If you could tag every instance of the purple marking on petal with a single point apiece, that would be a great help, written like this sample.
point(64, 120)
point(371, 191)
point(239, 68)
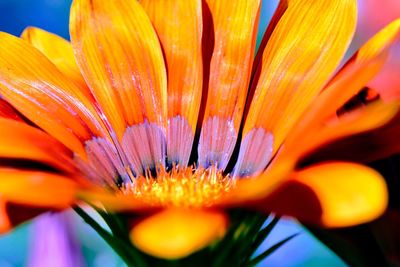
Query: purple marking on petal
point(54, 243)
point(179, 141)
point(255, 153)
point(145, 146)
point(217, 141)
point(104, 164)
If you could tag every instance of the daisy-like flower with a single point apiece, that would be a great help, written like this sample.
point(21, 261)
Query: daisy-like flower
point(160, 110)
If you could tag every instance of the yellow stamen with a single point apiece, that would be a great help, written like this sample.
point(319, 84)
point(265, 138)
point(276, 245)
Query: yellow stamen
point(183, 187)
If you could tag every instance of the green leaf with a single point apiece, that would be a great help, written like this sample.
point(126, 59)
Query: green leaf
point(262, 235)
point(269, 251)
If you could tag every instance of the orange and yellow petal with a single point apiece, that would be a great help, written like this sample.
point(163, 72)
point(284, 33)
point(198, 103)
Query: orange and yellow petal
point(7, 111)
point(5, 224)
point(20, 141)
point(179, 27)
point(378, 45)
point(280, 10)
point(365, 147)
point(387, 82)
point(176, 233)
point(353, 77)
point(371, 117)
point(334, 194)
point(230, 34)
point(356, 73)
point(303, 51)
point(39, 91)
point(37, 188)
point(59, 51)
point(251, 189)
point(120, 57)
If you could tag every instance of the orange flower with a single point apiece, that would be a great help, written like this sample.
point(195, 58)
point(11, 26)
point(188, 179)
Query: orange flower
point(112, 118)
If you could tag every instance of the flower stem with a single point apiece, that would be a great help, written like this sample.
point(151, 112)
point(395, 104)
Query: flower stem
point(121, 248)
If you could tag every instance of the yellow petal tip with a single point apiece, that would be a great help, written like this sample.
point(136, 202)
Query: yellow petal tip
point(177, 233)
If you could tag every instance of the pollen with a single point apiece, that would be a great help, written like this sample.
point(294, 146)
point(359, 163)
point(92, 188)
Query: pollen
point(183, 187)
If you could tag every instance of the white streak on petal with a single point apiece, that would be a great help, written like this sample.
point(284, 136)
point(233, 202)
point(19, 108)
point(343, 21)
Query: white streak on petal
point(145, 146)
point(217, 141)
point(104, 164)
point(179, 141)
point(255, 153)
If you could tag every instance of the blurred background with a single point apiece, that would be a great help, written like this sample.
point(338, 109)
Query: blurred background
point(44, 241)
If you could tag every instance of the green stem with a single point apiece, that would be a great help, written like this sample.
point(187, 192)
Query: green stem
point(120, 248)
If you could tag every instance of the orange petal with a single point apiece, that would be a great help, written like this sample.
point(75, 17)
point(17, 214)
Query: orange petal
point(21, 141)
point(120, 57)
point(387, 82)
point(7, 111)
point(37, 188)
point(114, 202)
point(280, 10)
point(33, 85)
point(58, 50)
point(365, 147)
point(357, 72)
point(332, 194)
point(179, 27)
point(176, 233)
point(5, 224)
point(373, 116)
point(253, 189)
point(379, 44)
point(234, 29)
point(305, 48)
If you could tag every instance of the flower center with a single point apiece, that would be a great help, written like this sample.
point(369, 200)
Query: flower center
point(141, 173)
point(184, 187)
